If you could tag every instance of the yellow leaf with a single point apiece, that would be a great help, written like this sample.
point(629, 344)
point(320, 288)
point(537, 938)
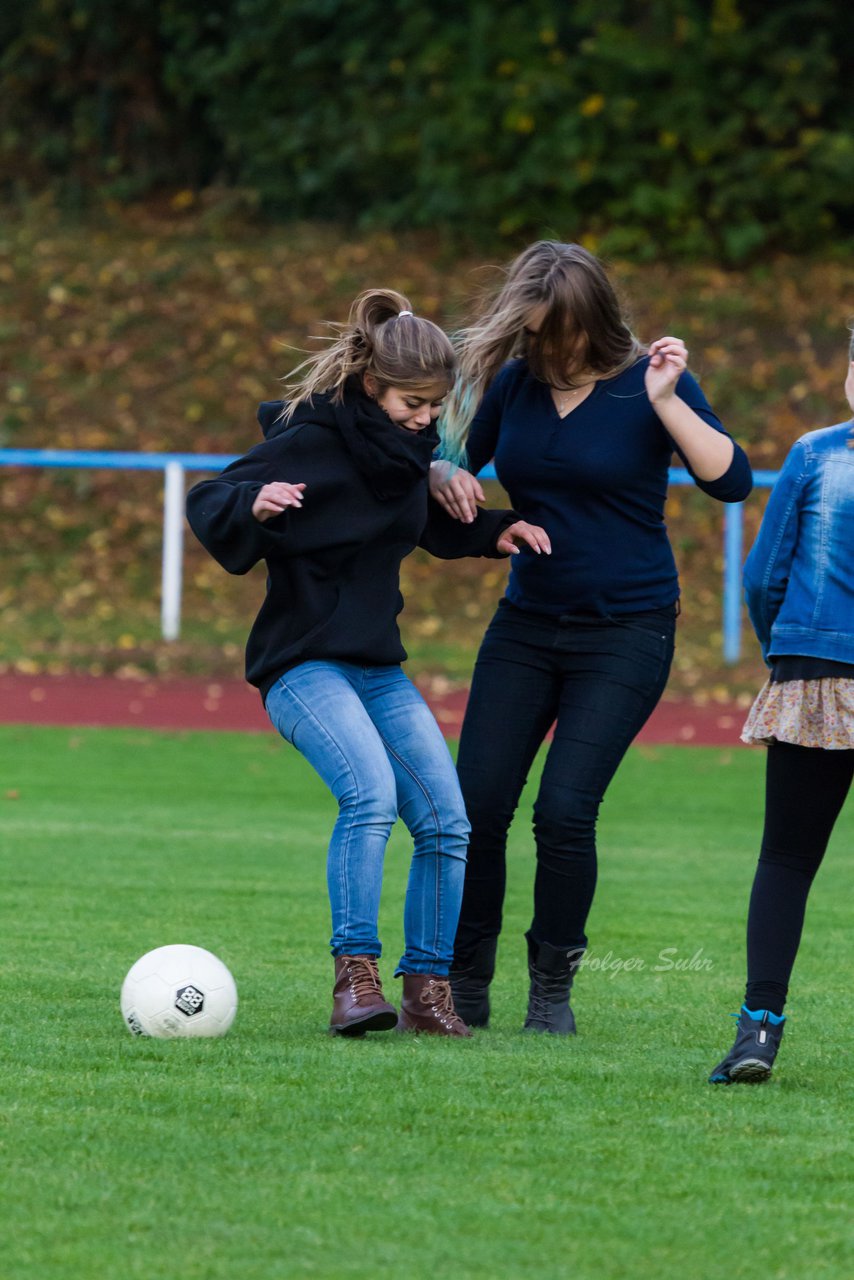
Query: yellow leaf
point(593, 105)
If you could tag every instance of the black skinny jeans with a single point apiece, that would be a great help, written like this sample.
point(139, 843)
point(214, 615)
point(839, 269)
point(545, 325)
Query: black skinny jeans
point(805, 789)
point(599, 679)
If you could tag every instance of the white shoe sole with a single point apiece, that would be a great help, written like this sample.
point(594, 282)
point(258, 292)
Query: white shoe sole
point(750, 1071)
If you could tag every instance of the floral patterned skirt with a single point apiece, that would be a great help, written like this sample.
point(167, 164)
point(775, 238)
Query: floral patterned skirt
point(808, 713)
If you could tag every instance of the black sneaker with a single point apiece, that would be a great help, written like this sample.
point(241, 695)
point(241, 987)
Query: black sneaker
point(749, 1061)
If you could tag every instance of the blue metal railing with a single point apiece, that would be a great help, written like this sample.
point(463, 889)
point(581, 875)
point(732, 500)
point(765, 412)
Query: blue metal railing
point(110, 460)
point(176, 465)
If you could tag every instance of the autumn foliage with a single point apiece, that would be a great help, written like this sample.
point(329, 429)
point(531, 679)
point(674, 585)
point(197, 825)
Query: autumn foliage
point(160, 328)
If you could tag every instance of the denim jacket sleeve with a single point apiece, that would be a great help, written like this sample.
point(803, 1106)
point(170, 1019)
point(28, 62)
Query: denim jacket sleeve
point(766, 572)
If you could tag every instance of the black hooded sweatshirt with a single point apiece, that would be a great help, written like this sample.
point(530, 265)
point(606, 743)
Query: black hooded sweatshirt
point(333, 584)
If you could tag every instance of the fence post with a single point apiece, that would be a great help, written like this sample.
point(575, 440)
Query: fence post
point(173, 550)
point(174, 467)
point(733, 550)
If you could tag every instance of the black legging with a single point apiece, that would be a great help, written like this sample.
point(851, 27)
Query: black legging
point(805, 789)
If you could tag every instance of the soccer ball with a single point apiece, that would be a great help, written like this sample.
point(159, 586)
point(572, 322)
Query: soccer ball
point(178, 991)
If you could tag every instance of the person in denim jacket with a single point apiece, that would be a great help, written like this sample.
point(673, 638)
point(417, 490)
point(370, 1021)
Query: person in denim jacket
point(799, 584)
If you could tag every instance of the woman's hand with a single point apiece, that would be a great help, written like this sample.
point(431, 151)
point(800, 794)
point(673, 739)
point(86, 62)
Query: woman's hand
point(531, 534)
point(274, 498)
point(668, 360)
point(456, 490)
point(707, 452)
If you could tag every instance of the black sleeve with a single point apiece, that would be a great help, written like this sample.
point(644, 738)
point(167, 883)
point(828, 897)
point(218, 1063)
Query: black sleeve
point(450, 539)
point(220, 510)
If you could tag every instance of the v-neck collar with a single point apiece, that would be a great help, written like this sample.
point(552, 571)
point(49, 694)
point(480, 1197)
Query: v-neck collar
point(571, 412)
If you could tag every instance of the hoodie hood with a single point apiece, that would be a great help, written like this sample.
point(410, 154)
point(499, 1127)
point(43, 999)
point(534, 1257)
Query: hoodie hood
point(320, 411)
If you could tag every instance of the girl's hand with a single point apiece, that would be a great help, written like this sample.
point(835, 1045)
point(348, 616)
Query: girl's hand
point(274, 498)
point(456, 490)
point(531, 534)
point(668, 360)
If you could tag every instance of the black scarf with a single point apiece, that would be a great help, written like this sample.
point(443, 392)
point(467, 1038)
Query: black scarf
point(391, 459)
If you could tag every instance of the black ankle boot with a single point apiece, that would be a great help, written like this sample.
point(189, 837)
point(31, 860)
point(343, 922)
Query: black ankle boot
point(551, 970)
point(470, 978)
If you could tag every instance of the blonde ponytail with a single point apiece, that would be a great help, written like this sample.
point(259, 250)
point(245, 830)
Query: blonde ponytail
point(383, 337)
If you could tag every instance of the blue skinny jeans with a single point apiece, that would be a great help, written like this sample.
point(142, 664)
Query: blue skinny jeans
point(373, 740)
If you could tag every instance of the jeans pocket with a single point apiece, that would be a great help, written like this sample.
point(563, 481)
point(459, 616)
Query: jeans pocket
point(647, 642)
point(654, 650)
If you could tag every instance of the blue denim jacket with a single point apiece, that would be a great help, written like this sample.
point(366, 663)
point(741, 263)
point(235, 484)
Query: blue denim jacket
point(799, 577)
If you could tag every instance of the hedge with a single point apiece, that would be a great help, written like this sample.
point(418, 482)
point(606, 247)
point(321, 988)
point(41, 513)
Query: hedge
point(677, 126)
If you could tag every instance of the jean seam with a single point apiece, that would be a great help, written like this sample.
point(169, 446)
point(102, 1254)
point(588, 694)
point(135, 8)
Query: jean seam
point(437, 912)
point(345, 852)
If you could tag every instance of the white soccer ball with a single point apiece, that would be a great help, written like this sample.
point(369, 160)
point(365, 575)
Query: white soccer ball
point(178, 991)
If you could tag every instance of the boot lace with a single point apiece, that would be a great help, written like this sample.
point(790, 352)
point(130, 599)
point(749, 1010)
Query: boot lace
point(363, 977)
point(437, 994)
point(539, 1005)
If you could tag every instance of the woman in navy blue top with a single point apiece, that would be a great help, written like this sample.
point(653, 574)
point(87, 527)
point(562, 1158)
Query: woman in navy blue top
point(582, 422)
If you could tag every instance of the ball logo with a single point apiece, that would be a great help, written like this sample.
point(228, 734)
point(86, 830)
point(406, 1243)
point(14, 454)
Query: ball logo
point(134, 1025)
point(189, 1000)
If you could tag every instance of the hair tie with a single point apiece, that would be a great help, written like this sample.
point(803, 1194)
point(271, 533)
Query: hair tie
point(404, 313)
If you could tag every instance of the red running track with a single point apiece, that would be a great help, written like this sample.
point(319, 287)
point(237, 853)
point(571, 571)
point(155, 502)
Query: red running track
point(107, 701)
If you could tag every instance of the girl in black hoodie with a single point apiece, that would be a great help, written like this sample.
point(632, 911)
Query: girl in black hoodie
point(333, 501)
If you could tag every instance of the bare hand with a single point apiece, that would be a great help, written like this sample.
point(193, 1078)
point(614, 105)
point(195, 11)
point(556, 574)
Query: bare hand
point(456, 490)
point(530, 534)
point(668, 360)
point(273, 499)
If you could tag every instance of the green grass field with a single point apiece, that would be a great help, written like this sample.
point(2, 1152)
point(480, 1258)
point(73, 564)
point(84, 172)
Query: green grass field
point(279, 1152)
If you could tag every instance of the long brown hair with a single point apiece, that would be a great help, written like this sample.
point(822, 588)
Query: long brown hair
point(381, 337)
point(583, 328)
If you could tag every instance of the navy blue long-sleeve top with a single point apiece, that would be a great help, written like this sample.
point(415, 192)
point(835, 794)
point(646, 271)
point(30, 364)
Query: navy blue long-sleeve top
point(596, 480)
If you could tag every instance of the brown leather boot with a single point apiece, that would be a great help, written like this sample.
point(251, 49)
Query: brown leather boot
point(358, 1004)
point(429, 1006)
